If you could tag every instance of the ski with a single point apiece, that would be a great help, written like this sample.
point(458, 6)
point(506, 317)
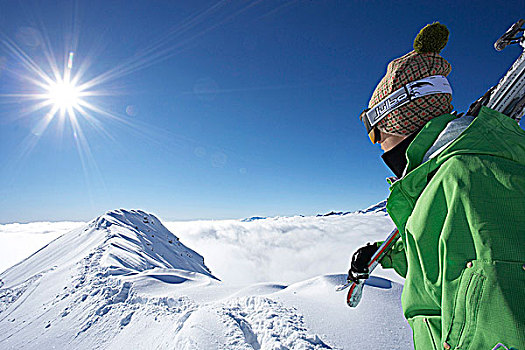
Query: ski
point(508, 97)
point(356, 289)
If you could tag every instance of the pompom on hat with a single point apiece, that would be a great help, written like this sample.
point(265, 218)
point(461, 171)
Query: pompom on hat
point(423, 62)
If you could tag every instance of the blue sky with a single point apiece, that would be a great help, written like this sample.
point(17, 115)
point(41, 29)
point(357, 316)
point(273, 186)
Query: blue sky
point(218, 109)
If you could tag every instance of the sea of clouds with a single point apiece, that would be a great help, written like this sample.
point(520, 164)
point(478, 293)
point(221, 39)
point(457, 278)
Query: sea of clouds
point(282, 249)
point(287, 249)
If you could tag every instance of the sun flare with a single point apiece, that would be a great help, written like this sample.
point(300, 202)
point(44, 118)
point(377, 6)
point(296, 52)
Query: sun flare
point(59, 96)
point(63, 95)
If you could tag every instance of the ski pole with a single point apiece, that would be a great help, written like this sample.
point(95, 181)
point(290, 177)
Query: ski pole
point(356, 289)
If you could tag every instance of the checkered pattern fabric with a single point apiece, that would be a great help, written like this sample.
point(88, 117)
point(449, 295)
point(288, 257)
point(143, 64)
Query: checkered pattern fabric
point(401, 71)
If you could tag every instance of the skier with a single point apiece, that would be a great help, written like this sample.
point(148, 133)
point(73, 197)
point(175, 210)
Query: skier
point(458, 200)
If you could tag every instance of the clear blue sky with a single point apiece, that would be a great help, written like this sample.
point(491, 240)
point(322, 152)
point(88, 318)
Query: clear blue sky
point(225, 109)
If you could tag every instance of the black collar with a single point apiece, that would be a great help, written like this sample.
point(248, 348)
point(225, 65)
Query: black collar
point(396, 158)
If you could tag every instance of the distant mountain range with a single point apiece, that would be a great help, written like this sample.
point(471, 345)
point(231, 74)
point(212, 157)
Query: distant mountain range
point(376, 208)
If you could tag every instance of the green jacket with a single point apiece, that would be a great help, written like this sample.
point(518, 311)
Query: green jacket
point(461, 216)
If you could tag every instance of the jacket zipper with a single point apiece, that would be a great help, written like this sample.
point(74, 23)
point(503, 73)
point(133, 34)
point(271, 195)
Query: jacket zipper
point(476, 283)
point(425, 320)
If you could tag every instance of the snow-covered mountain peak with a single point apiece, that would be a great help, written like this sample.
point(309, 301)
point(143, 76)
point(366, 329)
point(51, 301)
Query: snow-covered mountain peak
point(137, 219)
point(112, 265)
point(136, 241)
point(119, 242)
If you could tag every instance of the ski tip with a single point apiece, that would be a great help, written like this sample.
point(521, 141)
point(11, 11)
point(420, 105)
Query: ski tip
point(342, 287)
point(354, 295)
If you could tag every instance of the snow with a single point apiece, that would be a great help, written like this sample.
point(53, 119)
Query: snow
point(21, 240)
point(124, 280)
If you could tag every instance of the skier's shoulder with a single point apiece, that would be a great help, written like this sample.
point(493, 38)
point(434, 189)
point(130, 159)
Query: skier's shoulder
point(493, 120)
point(489, 134)
point(493, 133)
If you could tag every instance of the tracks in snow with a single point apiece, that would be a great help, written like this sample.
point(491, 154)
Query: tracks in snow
point(96, 303)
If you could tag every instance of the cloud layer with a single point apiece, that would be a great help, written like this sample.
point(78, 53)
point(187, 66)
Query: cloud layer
point(286, 250)
point(281, 249)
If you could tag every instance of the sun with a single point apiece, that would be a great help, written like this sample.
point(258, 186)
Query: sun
point(63, 95)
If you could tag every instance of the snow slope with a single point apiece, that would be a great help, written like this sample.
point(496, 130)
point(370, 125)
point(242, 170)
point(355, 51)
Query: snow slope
point(125, 281)
point(18, 241)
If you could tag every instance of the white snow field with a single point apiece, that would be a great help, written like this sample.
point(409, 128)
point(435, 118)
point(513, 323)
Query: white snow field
point(124, 281)
point(18, 241)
